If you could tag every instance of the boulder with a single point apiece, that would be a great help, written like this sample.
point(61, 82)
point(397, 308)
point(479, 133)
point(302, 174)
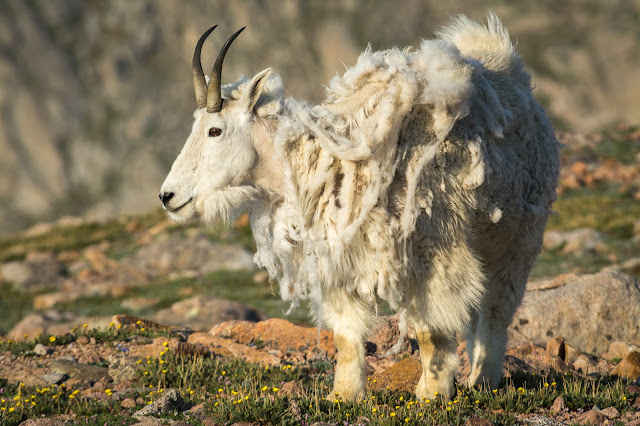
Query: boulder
point(278, 334)
point(619, 350)
point(53, 322)
point(589, 311)
point(629, 366)
point(223, 347)
point(85, 372)
point(203, 312)
point(39, 271)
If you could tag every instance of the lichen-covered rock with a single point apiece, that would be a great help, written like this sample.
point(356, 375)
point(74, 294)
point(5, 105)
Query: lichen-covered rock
point(168, 402)
point(590, 311)
point(402, 376)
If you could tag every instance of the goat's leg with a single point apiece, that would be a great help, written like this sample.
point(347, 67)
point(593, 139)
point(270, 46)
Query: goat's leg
point(350, 319)
point(439, 363)
point(487, 338)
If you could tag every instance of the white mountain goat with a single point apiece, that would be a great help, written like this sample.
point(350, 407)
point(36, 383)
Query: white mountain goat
point(424, 180)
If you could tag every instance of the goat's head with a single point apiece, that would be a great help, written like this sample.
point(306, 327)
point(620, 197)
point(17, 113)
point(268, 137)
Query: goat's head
point(217, 174)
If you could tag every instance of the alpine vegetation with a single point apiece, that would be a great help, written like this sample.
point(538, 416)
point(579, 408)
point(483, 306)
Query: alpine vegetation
point(424, 180)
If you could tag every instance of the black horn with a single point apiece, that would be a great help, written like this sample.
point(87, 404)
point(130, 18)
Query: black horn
point(199, 83)
point(214, 96)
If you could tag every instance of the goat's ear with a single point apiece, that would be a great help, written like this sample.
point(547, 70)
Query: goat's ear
point(251, 94)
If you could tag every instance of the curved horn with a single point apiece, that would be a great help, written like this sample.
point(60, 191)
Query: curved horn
point(199, 83)
point(214, 96)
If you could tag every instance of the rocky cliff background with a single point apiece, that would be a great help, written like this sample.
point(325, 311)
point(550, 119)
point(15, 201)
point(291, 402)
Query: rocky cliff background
point(96, 98)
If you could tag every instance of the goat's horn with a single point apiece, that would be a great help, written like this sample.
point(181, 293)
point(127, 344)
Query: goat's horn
point(199, 83)
point(214, 96)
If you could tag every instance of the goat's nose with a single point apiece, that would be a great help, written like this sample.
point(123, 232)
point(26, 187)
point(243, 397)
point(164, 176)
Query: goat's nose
point(166, 197)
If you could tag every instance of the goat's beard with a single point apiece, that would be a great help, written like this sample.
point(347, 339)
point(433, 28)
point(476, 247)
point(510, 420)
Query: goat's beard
point(225, 205)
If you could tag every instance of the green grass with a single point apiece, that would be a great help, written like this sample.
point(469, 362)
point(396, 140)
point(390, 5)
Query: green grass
point(602, 208)
point(235, 391)
point(622, 145)
point(14, 305)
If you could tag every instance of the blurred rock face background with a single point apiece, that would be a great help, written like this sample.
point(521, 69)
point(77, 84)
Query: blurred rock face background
point(96, 97)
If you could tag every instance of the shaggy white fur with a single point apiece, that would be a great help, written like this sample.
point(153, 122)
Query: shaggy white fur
point(424, 180)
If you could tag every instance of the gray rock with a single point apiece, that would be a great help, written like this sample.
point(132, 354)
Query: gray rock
point(203, 312)
point(54, 378)
point(610, 412)
point(39, 271)
point(44, 422)
point(122, 368)
point(589, 311)
point(169, 402)
point(89, 373)
point(152, 421)
point(16, 273)
point(53, 322)
point(42, 350)
point(540, 420)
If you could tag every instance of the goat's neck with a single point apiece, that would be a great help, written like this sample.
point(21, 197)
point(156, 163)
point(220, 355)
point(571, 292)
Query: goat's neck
point(268, 172)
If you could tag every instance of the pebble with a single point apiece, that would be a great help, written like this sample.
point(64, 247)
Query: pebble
point(42, 350)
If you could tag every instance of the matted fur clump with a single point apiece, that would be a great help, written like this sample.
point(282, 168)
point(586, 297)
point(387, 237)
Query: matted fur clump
point(424, 180)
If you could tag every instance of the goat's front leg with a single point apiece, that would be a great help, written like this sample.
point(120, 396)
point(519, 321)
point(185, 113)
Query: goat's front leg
point(349, 380)
point(350, 319)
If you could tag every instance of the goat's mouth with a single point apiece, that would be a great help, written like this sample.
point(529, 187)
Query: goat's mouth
point(180, 207)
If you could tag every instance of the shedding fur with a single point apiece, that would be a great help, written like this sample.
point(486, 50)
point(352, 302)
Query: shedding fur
point(424, 180)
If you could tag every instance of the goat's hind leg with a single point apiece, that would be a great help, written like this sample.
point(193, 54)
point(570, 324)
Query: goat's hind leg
point(439, 363)
point(487, 338)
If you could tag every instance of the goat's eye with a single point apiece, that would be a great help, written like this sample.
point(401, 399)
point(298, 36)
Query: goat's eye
point(214, 131)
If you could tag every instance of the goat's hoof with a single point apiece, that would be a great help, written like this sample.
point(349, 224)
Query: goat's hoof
point(344, 395)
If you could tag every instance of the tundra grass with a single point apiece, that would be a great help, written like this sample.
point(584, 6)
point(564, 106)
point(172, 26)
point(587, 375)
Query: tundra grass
point(14, 305)
point(602, 208)
point(235, 391)
point(71, 237)
point(231, 285)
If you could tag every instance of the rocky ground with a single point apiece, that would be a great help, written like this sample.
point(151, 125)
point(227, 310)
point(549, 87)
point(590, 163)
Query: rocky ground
point(97, 369)
point(580, 316)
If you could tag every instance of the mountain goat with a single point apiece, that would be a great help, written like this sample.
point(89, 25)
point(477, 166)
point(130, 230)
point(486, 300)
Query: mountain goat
point(424, 180)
